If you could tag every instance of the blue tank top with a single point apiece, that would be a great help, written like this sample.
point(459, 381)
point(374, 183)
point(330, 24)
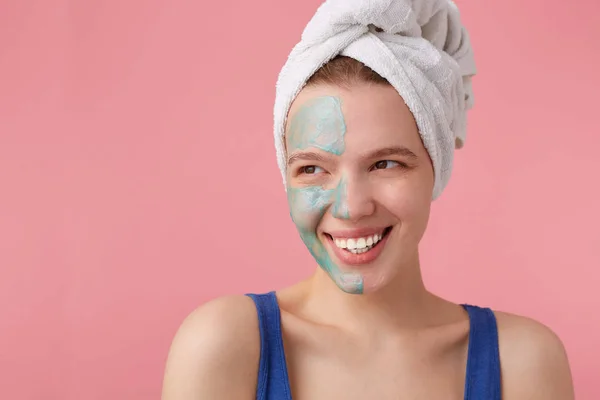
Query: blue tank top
point(483, 361)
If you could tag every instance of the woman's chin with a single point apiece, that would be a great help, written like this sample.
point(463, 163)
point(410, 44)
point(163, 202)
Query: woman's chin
point(363, 278)
point(355, 282)
point(374, 282)
point(349, 282)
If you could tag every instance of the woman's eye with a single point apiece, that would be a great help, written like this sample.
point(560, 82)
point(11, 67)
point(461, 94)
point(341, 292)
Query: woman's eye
point(383, 164)
point(310, 169)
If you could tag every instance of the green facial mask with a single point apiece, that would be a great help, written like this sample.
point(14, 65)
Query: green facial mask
point(320, 124)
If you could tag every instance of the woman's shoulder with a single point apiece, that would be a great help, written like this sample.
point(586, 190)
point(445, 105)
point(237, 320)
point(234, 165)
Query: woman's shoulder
point(534, 362)
point(217, 343)
point(222, 319)
point(526, 337)
point(227, 325)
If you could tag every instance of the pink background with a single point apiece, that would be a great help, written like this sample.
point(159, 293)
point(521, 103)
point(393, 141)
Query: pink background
point(138, 180)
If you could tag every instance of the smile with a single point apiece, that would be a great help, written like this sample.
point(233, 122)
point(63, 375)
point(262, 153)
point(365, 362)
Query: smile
point(354, 249)
point(361, 244)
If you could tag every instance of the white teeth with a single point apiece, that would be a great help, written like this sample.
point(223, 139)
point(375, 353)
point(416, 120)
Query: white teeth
point(359, 251)
point(341, 243)
point(351, 244)
point(358, 245)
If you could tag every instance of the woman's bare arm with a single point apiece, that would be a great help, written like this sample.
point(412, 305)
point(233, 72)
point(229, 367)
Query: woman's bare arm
point(534, 361)
point(215, 353)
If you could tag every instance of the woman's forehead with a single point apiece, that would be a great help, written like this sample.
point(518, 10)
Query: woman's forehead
point(366, 117)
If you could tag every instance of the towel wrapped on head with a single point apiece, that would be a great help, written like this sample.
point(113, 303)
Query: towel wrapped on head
point(419, 46)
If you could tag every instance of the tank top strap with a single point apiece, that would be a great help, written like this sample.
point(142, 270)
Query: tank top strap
point(483, 362)
point(273, 381)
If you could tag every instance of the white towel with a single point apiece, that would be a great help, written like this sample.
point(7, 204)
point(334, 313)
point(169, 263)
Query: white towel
point(423, 50)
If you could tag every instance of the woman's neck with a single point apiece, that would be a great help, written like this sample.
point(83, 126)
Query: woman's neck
point(404, 303)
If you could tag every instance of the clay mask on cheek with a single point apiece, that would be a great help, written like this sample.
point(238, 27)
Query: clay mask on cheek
point(320, 124)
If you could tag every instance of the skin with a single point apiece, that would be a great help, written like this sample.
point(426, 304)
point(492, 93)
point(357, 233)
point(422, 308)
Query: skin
point(395, 339)
point(372, 190)
point(319, 123)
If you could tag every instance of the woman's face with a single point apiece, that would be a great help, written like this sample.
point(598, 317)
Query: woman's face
point(359, 182)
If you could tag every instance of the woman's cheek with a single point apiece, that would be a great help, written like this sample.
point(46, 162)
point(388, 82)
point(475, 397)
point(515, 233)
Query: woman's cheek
point(306, 220)
point(307, 206)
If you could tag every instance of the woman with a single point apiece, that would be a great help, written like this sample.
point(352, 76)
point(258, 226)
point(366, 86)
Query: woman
point(370, 106)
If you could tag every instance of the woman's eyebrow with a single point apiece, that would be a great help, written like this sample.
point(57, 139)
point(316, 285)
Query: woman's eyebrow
point(305, 156)
point(393, 151)
point(384, 152)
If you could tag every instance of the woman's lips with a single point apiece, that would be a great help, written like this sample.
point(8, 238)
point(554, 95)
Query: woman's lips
point(349, 258)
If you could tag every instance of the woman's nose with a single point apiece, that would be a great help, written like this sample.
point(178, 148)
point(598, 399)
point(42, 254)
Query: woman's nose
point(352, 200)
